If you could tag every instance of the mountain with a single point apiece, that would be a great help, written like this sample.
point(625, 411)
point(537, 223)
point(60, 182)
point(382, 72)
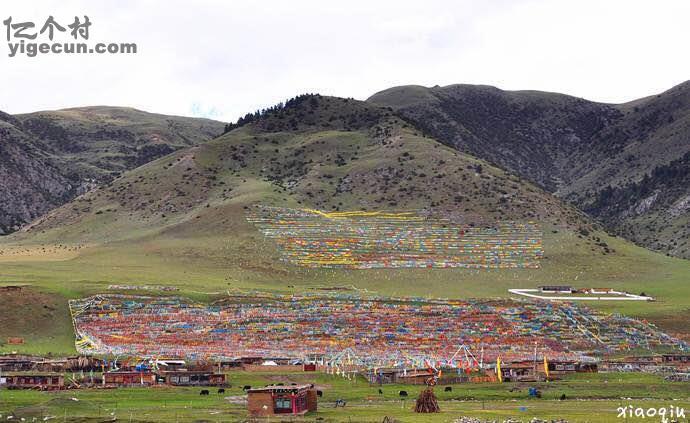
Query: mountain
point(653, 210)
point(574, 148)
point(30, 185)
point(50, 157)
point(318, 152)
point(183, 221)
point(184, 217)
point(100, 142)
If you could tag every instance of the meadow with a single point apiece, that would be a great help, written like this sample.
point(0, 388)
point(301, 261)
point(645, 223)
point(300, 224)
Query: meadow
point(589, 398)
point(206, 268)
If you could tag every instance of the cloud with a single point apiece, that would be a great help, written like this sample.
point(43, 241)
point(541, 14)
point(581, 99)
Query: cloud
point(222, 59)
point(209, 112)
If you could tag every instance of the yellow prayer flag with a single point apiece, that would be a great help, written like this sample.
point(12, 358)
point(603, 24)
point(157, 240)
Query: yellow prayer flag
point(498, 369)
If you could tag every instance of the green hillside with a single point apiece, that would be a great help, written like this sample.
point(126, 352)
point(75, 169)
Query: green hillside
point(181, 220)
point(577, 149)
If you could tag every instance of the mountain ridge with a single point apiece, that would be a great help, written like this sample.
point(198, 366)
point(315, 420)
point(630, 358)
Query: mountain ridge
point(579, 150)
point(341, 154)
point(570, 146)
point(64, 153)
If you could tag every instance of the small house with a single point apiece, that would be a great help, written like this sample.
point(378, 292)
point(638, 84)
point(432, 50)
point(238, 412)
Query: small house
point(419, 376)
point(170, 364)
point(129, 378)
point(272, 400)
point(566, 367)
point(16, 363)
point(678, 360)
point(192, 378)
point(520, 371)
point(553, 289)
point(44, 381)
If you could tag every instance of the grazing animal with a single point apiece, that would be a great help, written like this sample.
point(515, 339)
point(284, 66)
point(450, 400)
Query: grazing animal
point(402, 393)
point(448, 389)
point(203, 392)
point(246, 387)
point(380, 392)
point(562, 397)
point(340, 403)
point(319, 393)
point(221, 390)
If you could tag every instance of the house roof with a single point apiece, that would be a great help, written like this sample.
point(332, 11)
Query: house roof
point(281, 388)
point(132, 372)
point(190, 372)
point(32, 374)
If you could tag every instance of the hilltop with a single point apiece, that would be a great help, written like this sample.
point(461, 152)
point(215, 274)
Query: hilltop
point(574, 148)
point(51, 157)
point(100, 142)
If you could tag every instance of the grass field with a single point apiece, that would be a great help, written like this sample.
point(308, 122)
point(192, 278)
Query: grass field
point(205, 268)
point(589, 398)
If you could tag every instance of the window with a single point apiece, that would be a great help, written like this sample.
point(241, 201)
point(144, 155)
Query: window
point(282, 403)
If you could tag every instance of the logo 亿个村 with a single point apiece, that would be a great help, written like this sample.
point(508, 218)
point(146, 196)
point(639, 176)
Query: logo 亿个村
point(25, 38)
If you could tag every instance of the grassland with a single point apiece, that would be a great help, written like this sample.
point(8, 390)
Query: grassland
point(589, 398)
point(205, 268)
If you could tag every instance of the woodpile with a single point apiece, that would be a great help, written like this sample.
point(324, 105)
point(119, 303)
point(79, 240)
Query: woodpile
point(426, 402)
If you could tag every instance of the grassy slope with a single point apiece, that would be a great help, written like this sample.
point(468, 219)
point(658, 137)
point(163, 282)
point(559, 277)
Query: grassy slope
point(180, 220)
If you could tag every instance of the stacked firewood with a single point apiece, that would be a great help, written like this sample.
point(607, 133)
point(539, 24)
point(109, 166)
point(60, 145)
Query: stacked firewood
point(426, 402)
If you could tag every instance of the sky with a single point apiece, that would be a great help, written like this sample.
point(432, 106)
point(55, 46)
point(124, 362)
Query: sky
point(222, 59)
